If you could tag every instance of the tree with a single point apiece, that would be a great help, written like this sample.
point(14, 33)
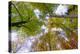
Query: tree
point(23, 18)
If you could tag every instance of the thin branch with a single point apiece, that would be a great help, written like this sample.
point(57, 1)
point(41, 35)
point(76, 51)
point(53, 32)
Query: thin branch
point(65, 16)
point(18, 23)
point(18, 11)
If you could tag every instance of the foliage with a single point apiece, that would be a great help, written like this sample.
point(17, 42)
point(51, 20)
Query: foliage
point(30, 25)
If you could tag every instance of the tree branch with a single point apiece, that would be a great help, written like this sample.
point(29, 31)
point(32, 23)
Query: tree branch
point(18, 23)
point(17, 11)
point(65, 16)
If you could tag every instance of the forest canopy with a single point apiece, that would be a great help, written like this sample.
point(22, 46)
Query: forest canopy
point(52, 26)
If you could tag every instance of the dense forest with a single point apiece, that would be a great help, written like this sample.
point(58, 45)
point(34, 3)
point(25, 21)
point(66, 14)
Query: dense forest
point(42, 26)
